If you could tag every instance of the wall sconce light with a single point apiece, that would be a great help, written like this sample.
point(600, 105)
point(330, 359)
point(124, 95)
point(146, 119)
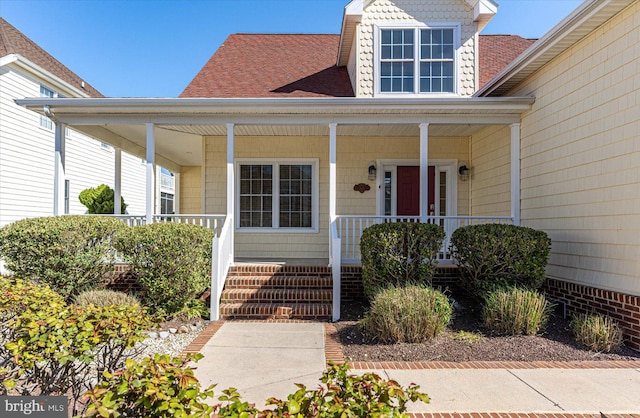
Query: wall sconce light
point(373, 170)
point(463, 172)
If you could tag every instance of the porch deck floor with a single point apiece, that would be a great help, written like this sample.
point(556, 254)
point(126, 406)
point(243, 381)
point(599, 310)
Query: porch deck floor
point(243, 261)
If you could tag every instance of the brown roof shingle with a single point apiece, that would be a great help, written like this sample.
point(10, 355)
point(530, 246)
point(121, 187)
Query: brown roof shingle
point(497, 51)
point(12, 41)
point(258, 65)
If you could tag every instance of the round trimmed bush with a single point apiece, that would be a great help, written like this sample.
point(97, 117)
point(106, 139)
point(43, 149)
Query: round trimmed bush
point(411, 314)
point(104, 297)
point(69, 253)
point(597, 332)
point(497, 256)
point(515, 311)
point(399, 254)
point(171, 261)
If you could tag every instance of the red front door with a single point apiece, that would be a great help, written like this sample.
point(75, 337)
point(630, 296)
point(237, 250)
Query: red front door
point(408, 187)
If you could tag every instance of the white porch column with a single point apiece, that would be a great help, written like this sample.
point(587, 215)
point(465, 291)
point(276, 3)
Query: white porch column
point(117, 182)
point(424, 172)
point(59, 169)
point(231, 184)
point(176, 193)
point(515, 173)
point(332, 171)
point(151, 172)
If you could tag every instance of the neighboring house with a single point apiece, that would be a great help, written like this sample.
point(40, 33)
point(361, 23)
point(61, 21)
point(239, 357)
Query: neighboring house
point(27, 139)
point(300, 141)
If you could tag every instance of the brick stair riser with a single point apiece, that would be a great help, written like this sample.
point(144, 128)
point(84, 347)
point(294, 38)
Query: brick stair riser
point(271, 310)
point(276, 295)
point(254, 282)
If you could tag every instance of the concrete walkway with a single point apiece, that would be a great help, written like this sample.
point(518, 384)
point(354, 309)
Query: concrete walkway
point(263, 360)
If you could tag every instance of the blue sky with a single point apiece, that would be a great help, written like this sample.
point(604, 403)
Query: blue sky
point(145, 48)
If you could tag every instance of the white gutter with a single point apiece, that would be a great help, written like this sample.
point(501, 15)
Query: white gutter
point(55, 81)
point(557, 34)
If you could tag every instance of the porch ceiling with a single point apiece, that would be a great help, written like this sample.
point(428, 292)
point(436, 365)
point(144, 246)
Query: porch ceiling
point(181, 123)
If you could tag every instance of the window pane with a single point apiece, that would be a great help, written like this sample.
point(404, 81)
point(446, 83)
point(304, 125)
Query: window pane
point(386, 36)
point(256, 195)
point(385, 69)
point(296, 200)
point(386, 52)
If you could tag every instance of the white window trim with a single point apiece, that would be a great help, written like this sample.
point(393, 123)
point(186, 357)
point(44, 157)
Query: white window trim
point(315, 195)
point(442, 165)
point(417, 26)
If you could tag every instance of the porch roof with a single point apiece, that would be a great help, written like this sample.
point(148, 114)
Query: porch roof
point(181, 122)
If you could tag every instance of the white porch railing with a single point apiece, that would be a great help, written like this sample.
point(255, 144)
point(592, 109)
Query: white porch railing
point(336, 268)
point(349, 230)
point(221, 260)
point(210, 221)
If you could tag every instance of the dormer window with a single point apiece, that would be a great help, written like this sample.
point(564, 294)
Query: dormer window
point(416, 60)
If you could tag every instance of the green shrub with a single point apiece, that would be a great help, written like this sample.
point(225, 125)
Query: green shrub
point(152, 387)
point(597, 332)
point(100, 200)
point(166, 387)
point(105, 297)
point(171, 261)
point(69, 253)
point(193, 309)
point(495, 256)
point(62, 350)
point(410, 314)
point(515, 311)
point(345, 395)
point(397, 254)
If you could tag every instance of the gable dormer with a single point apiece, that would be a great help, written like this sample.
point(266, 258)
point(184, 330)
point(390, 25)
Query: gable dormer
point(413, 48)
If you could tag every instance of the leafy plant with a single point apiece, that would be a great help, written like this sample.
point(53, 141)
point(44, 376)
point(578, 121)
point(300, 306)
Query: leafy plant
point(171, 261)
point(345, 395)
point(495, 256)
point(516, 311)
point(61, 350)
point(69, 253)
point(597, 332)
point(397, 254)
point(100, 200)
point(409, 314)
point(466, 336)
point(105, 297)
point(193, 309)
point(152, 387)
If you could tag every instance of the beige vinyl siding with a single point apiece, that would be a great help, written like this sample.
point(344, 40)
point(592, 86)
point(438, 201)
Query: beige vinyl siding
point(191, 189)
point(354, 155)
point(581, 157)
point(414, 11)
point(491, 172)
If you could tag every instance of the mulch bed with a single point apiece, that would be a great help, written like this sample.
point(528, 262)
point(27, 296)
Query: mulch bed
point(555, 342)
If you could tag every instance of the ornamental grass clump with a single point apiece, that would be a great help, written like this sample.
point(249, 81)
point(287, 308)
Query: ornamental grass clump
point(597, 332)
point(106, 297)
point(411, 314)
point(516, 311)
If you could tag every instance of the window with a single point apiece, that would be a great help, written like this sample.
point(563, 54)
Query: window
point(67, 194)
point(166, 203)
point(416, 60)
point(45, 122)
point(277, 195)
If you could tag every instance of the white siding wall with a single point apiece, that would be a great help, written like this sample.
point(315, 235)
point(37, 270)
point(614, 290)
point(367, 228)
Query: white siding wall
point(27, 159)
point(581, 157)
point(418, 11)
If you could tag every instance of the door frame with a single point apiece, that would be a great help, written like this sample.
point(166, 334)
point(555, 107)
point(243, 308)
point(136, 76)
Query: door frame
point(442, 165)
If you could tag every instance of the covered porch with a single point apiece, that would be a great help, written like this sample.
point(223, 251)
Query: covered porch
point(355, 150)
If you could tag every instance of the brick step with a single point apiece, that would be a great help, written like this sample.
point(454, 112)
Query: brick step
point(282, 295)
point(275, 311)
point(264, 282)
point(279, 271)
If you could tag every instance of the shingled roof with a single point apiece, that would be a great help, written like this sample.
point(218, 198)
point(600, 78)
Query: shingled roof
point(12, 41)
point(258, 65)
point(254, 65)
point(497, 51)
